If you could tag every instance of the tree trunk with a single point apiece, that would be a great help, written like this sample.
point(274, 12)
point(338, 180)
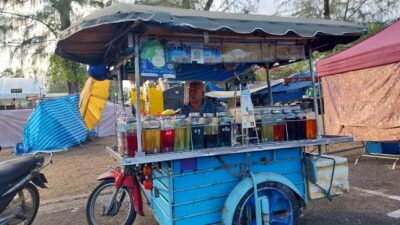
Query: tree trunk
point(327, 13)
point(73, 87)
point(208, 5)
point(69, 87)
point(63, 8)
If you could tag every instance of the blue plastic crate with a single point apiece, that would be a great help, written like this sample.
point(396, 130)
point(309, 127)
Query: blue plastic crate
point(194, 192)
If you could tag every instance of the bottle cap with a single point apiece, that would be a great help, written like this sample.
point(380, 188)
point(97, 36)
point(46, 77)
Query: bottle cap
point(194, 114)
point(221, 114)
point(208, 114)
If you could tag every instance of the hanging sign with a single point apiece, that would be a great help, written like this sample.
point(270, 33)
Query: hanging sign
point(247, 110)
point(230, 52)
point(197, 55)
point(290, 52)
point(153, 61)
point(212, 55)
point(192, 52)
point(16, 90)
point(268, 52)
point(241, 52)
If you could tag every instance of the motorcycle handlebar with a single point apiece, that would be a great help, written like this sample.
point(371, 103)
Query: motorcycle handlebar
point(50, 161)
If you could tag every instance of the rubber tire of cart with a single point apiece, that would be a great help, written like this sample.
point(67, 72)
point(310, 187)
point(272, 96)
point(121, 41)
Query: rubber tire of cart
point(289, 194)
point(132, 213)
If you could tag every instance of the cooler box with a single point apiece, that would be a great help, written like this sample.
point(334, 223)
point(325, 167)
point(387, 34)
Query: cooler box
point(319, 174)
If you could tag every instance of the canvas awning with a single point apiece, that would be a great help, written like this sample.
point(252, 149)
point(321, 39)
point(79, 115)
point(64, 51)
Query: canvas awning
point(88, 40)
point(360, 88)
point(380, 49)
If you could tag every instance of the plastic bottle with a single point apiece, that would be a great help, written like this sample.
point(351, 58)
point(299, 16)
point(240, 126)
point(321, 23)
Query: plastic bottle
point(182, 134)
point(151, 135)
point(210, 130)
point(267, 128)
point(197, 130)
point(167, 134)
point(279, 125)
point(224, 129)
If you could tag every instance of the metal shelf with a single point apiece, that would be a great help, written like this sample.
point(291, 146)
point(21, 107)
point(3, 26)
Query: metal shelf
point(160, 157)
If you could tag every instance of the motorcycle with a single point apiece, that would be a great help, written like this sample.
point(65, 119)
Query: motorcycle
point(117, 199)
point(19, 197)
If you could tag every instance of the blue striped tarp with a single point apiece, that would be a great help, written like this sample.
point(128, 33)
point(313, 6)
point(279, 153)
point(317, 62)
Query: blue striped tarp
point(55, 124)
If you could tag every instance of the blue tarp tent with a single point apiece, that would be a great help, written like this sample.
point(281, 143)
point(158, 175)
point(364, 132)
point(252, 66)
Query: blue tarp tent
point(212, 87)
point(54, 125)
point(289, 92)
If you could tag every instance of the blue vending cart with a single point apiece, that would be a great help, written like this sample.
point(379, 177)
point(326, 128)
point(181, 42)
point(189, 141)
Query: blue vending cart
point(213, 186)
point(251, 183)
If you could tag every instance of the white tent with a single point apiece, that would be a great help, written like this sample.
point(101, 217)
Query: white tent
point(26, 87)
point(12, 123)
point(106, 125)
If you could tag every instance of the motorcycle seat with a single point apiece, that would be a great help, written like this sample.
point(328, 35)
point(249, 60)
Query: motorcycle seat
point(13, 169)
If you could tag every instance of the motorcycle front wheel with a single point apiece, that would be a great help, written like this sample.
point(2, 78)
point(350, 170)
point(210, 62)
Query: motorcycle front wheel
point(23, 207)
point(120, 209)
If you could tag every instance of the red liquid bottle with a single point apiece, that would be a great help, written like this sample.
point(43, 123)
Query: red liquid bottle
point(167, 140)
point(279, 132)
point(131, 144)
point(279, 125)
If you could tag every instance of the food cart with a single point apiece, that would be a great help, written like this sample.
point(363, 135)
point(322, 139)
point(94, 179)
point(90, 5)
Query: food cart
point(247, 183)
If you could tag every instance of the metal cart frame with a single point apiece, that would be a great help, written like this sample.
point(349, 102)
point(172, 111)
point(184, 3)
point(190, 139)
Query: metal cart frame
point(252, 163)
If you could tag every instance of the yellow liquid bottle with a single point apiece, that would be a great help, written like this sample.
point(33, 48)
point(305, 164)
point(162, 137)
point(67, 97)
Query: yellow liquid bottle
point(151, 141)
point(182, 139)
point(182, 134)
point(151, 135)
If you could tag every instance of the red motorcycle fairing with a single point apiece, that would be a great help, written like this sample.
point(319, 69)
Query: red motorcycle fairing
point(128, 181)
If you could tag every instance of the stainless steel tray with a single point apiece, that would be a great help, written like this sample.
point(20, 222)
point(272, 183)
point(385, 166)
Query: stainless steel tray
point(160, 157)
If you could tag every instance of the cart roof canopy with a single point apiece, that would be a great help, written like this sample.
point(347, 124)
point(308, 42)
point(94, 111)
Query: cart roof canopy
point(92, 38)
point(380, 49)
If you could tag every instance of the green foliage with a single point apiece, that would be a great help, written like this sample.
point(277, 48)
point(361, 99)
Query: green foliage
point(374, 14)
point(303, 66)
point(11, 73)
point(243, 6)
point(62, 71)
point(357, 11)
point(29, 29)
point(286, 70)
point(57, 88)
point(188, 4)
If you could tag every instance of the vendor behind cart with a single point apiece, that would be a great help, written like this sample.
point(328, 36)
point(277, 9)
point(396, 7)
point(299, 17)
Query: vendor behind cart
point(197, 103)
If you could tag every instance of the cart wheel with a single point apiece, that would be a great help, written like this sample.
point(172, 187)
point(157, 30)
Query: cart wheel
point(122, 211)
point(284, 206)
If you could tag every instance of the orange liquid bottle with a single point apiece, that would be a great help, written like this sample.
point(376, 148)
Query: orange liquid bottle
point(311, 128)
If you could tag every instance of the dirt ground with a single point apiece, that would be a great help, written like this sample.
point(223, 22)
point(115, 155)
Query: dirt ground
point(74, 172)
point(73, 176)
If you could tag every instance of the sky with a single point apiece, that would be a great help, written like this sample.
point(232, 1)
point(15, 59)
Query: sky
point(267, 7)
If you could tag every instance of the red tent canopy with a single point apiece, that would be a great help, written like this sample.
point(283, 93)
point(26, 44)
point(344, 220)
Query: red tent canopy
point(380, 49)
